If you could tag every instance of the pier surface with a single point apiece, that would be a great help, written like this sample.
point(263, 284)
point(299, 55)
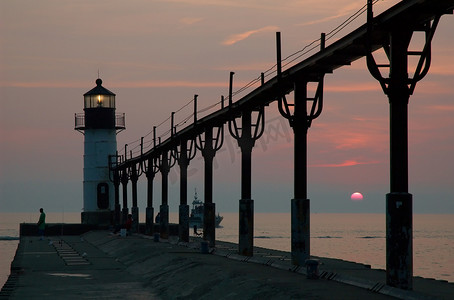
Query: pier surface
point(101, 265)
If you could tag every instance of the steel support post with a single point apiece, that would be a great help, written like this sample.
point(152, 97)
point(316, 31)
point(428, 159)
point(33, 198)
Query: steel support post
point(209, 216)
point(183, 228)
point(208, 148)
point(124, 212)
point(246, 144)
point(134, 208)
point(149, 213)
point(301, 121)
point(135, 219)
point(399, 224)
point(300, 214)
point(164, 208)
point(183, 162)
point(164, 221)
point(246, 227)
point(246, 141)
point(246, 204)
point(209, 223)
point(399, 86)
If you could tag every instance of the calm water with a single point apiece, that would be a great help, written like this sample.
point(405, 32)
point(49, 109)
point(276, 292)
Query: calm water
point(353, 237)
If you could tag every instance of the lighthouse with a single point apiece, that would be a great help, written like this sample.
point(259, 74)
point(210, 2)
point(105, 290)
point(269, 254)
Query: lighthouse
point(99, 124)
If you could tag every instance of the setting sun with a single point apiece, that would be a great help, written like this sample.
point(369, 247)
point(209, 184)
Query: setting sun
point(356, 196)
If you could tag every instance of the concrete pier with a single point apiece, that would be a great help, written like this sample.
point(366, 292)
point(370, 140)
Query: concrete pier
point(99, 264)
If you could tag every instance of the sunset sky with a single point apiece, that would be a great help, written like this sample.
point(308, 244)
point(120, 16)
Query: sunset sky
point(155, 55)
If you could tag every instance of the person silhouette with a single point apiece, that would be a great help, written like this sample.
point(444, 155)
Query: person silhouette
point(41, 224)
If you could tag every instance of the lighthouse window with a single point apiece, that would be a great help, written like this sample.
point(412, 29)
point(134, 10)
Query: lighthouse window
point(94, 101)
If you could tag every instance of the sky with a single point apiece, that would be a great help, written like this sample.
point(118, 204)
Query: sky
point(156, 55)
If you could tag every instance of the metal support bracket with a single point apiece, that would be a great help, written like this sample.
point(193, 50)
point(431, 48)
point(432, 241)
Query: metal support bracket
point(285, 108)
point(247, 139)
point(425, 54)
point(210, 149)
point(182, 153)
point(316, 108)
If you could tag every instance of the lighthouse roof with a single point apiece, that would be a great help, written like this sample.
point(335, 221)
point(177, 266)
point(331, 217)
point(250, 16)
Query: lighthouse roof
point(99, 89)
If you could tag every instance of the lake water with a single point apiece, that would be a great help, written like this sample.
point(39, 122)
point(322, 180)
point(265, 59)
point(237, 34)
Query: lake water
point(353, 237)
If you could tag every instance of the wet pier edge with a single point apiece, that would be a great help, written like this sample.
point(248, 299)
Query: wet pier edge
point(97, 263)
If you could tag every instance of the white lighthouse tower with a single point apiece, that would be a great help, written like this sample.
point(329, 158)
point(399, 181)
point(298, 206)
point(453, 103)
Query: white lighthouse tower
point(99, 123)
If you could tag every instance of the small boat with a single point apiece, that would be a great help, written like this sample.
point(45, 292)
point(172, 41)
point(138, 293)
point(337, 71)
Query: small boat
point(196, 216)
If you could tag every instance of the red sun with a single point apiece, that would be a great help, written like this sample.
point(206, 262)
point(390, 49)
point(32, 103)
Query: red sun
point(356, 196)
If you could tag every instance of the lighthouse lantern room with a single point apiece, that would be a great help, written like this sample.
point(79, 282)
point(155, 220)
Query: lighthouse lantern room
point(100, 124)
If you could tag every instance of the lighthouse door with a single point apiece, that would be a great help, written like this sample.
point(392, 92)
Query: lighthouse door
point(103, 195)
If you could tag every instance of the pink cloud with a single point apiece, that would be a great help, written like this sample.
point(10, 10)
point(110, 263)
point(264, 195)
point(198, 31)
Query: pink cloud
point(259, 66)
point(235, 38)
point(347, 163)
point(344, 11)
point(447, 68)
point(442, 107)
point(43, 84)
point(166, 84)
point(125, 84)
point(357, 135)
point(433, 88)
point(352, 88)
